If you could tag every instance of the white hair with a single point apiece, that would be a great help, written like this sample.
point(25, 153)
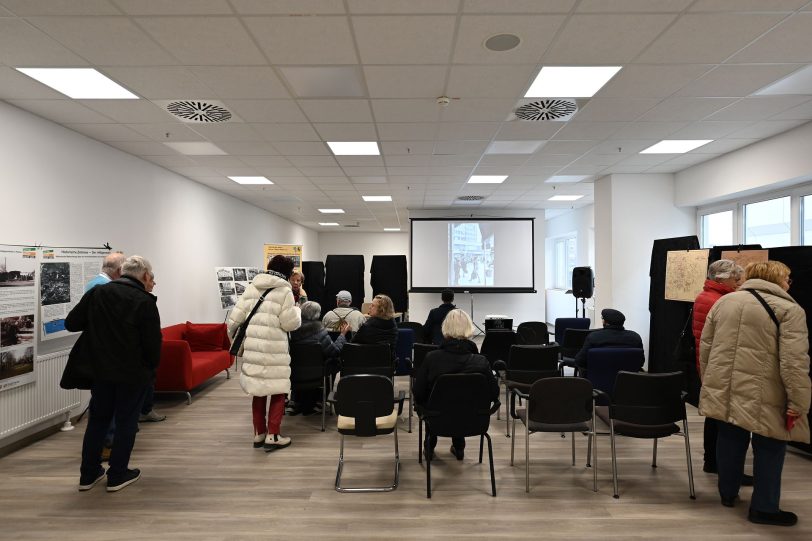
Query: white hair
point(112, 262)
point(724, 269)
point(135, 266)
point(311, 310)
point(457, 324)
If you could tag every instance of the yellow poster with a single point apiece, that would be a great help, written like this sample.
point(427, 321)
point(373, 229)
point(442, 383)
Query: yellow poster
point(293, 251)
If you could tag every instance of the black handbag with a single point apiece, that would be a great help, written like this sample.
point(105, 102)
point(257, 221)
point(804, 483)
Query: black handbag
point(684, 358)
point(239, 336)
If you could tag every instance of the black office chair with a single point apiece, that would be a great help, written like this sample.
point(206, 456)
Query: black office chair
point(496, 348)
point(419, 331)
point(525, 365)
point(563, 323)
point(364, 406)
point(308, 372)
point(419, 352)
point(556, 404)
point(533, 333)
point(459, 407)
point(573, 342)
point(370, 359)
point(648, 406)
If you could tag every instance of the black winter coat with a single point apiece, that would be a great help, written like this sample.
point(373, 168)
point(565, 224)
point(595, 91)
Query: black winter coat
point(121, 338)
point(378, 331)
point(453, 357)
point(432, 329)
point(314, 332)
point(612, 336)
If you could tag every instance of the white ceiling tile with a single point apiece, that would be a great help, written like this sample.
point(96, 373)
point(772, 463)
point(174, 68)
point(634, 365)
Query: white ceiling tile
point(604, 160)
point(708, 129)
point(651, 81)
point(27, 8)
point(490, 81)
point(321, 171)
point(406, 110)
point(25, 46)
point(788, 42)
point(313, 161)
point(535, 33)
point(304, 40)
point(747, 5)
point(467, 160)
point(736, 80)
point(711, 38)
point(502, 159)
point(175, 7)
point(801, 112)
point(336, 110)
point(241, 82)
point(415, 160)
point(566, 147)
point(302, 149)
point(392, 148)
point(129, 111)
point(202, 41)
point(324, 81)
point(227, 132)
point(287, 132)
point(267, 110)
point(62, 111)
point(402, 6)
point(612, 109)
point(254, 152)
point(478, 109)
point(288, 7)
point(467, 130)
point(606, 38)
point(167, 132)
point(405, 131)
point(573, 131)
point(759, 108)
point(143, 148)
point(170, 161)
point(766, 128)
point(359, 161)
point(522, 130)
point(551, 160)
point(518, 6)
point(218, 161)
point(648, 130)
point(15, 85)
point(105, 40)
point(160, 83)
point(723, 146)
point(405, 81)
point(364, 171)
point(108, 132)
point(347, 132)
point(647, 6)
point(460, 147)
point(404, 39)
point(681, 109)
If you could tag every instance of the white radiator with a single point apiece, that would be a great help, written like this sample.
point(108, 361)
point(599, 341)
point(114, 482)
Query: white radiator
point(30, 404)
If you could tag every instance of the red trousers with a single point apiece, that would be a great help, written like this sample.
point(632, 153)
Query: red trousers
point(276, 409)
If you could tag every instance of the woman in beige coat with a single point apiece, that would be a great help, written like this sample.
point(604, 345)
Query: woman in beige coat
point(755, 379)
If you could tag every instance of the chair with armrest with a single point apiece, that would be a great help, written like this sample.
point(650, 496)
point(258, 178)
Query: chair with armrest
point(419, 331)
point(533, 333)
point(419, 352)
point(403, 359)
point(308, 371)
point(563, 323)
point(525, 365)
point(496, 348)
point(459, 406)
point(556, 404)
point(370, 359)
point(364, 407)
point(573, 342)
point(648, 406)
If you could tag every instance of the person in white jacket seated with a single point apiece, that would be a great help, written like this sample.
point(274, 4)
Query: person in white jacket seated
point(265, 368)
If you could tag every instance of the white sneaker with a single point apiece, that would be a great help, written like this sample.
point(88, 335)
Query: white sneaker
point(259, 440)
point(151, 417)
point(276, 441)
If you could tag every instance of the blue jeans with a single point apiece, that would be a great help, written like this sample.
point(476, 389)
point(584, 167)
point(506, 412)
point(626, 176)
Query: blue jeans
point(768, 462)
point(111, 400)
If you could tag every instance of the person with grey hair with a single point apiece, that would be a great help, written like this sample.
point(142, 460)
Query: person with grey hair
point(724, 276)
point(116, 357)
point(111, 270)
point(312, 331)
point(343, 312)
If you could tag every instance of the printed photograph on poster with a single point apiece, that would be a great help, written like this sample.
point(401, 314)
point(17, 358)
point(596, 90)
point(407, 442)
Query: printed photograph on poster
point(16, 363)
point(16, 330)
point(17, 272)
point(251, 273)
point(227, 301)
point(239, 287)
point(225, 274)
point(54, 283)
point(226, 288)
point(239, 274)
point(18, 315)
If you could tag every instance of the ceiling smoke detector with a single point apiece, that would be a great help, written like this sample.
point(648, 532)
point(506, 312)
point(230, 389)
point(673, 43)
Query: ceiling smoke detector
point(559, 109)
point(197, 111)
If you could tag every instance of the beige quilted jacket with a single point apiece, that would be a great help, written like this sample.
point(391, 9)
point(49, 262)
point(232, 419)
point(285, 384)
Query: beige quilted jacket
point(750, 374)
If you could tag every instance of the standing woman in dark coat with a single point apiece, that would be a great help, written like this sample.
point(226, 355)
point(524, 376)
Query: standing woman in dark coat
point(380, 327)
point(456, 355)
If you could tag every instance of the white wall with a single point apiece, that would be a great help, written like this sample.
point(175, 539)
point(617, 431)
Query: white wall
point(581, 222)
point(631, 212)
point(64, 189)
point(780, 161)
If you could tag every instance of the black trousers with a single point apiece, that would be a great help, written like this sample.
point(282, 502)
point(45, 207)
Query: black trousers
point(458, 443)
point(711, 433)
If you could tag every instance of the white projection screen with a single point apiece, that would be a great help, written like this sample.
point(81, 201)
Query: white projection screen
point(472, 255)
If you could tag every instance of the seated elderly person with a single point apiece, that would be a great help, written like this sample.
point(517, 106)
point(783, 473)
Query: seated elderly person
point(456, 355)
point(612, 335)
point(380, 327)
point(343, 312)
point(312, 331)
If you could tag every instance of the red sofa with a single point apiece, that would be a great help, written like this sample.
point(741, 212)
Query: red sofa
point(183, 366)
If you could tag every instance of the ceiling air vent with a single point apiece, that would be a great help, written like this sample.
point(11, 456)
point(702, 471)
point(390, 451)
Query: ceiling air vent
point(356, 224)
point(198, 112)
point(471, 198)
point(557, 109)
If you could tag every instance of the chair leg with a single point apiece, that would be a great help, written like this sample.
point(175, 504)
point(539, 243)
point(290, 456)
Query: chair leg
point(411, 403)
point(688, 457)
point(188, 398)
point(420, 443)
point(654, 455)
point(323, 403)
point(512, 440)
point(594, 447)
point(340, 463)
point(614, 457)
point(572, 437)
point(481, 441)
point(527, 451)
point(228, 374)
point(428, 465)
point(507, 413)
point(589, 446)
point(397, 461)
point(490, 458)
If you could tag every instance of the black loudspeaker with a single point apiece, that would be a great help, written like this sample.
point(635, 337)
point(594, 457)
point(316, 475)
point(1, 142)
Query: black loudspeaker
point(583, 282)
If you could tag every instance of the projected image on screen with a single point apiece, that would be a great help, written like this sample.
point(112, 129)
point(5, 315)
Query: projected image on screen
point(470, 254)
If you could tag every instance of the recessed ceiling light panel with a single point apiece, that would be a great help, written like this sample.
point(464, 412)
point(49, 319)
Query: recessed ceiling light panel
point(487, 179)
point(565, 197)
point(564, 179)
point(354, 148)
point(328, 224)
point(251, 180)
point(331, 211)
point(675, 146)
point(80, 83)
point(374, 198)
point(570, 81)
point(391, 229)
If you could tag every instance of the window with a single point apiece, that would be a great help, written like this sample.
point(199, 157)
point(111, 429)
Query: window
point(768, 223)
point(717, 229)
point(806, 220)
point(565, 253)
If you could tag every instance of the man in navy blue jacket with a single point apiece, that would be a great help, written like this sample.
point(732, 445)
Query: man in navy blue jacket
point(432, 329)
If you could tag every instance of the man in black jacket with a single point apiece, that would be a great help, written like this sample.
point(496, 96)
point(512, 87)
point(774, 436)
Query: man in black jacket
point(613, 335)
point(432, 328)
point(119, 351)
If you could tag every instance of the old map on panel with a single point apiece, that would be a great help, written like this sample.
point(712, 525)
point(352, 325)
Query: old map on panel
point(685, 273)
point(744, 257)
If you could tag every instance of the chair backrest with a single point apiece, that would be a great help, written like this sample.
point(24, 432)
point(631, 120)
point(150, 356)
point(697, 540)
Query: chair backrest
point(648, 399)
point(603, 364)
point(419, 332)
point(403, 351)
point(364, 397)
point(366, 359)
point(573, 341)
point(527, 364)
point(458, 406)
point(419, 354)
point(560, 400)
point(306, 365)
point(563, 323)
point(533, 333)
point(496, 345)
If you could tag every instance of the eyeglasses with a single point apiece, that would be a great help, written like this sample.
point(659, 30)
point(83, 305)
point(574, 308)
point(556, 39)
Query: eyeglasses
point(789, 281)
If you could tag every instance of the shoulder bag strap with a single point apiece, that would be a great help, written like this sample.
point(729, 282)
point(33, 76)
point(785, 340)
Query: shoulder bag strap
point(255, 308)
point(766, 307)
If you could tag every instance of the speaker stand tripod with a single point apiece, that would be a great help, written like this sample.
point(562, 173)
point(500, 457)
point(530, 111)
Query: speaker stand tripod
point(477, 327)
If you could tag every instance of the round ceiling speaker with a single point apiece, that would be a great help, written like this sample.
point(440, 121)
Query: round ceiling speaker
point(502, 42)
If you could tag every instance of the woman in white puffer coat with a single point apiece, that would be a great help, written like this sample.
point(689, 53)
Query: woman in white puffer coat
point(265, 369)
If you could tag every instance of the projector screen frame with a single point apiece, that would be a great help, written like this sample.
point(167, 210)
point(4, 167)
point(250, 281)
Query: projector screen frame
point(472, 289)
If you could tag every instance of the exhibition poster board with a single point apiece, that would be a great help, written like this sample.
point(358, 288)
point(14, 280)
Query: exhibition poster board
point(231, 283)
point(685, 273)
point(293, 251)
point(744, 257)
point(18, 315)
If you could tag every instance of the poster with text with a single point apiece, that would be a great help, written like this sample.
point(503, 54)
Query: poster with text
point(63, 275)
point(293, 251)
point(685, 272)
point(18, 315)
point(231, 283)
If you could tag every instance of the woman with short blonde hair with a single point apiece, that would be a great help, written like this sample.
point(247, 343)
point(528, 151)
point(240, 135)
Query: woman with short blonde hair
point(457, 325)
point(380, 326)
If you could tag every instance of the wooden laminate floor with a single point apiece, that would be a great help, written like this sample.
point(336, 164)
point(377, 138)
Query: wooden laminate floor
point(203, 480)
